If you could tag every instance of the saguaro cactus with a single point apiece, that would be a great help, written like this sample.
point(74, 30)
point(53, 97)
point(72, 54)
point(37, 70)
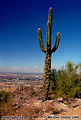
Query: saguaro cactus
point(48, 51)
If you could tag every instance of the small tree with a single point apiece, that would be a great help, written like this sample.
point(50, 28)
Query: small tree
point(68, 82)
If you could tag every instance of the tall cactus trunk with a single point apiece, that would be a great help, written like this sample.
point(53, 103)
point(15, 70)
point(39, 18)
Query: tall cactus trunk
point(47, 76)
point(47, 64)
point(48, 51)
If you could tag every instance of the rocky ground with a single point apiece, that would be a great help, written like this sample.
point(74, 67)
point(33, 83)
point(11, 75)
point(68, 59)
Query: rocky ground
point(27, 102)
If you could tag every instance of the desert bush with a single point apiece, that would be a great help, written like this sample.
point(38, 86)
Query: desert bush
point(5, 103)
point(21, 98)
point(50, 107)
point(67, 82)
point(25, 98)
point(19, 92)
point(31, 110)
point(33, 93)
point(4, 96)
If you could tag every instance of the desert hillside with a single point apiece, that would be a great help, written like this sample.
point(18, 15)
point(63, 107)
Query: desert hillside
point(26, 102)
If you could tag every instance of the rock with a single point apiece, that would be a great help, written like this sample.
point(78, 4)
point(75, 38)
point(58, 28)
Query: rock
point(35, 116)
point(60, 106)
point(38, 103)
point(62, 99)
point(63, 110)
point(15, 104)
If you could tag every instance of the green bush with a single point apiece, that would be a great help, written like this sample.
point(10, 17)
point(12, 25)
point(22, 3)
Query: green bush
point(33, 93)
point(66, 82)
point(4, 96)
point(19, 92)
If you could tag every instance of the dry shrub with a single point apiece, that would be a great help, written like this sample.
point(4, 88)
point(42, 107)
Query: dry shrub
point(31, 110)
point(50, 108)
point(6, 109)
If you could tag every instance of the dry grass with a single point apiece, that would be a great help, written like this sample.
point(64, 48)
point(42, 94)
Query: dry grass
point(6, 110)
point(50, 108)
point(30, 111)
point(31, 108)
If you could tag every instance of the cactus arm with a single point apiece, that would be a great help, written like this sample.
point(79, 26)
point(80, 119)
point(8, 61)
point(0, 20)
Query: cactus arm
point(48, 36)
point(50, 16)
point(56, 43)
point(40, 41)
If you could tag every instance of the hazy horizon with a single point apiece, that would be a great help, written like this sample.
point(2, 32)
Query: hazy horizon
point(19, 21)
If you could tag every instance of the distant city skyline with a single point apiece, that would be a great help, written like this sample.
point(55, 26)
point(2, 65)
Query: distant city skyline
point(19, 21)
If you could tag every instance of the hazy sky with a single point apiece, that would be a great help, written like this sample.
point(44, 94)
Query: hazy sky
point(19, 21)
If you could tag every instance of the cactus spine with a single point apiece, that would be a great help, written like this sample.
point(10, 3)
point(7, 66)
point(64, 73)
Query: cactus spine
point(48, 51)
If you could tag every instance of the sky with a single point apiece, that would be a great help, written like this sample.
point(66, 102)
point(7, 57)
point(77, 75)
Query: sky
point(19, 21)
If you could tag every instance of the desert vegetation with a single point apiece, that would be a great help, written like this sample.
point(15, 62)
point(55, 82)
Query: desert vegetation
point(66, 82)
